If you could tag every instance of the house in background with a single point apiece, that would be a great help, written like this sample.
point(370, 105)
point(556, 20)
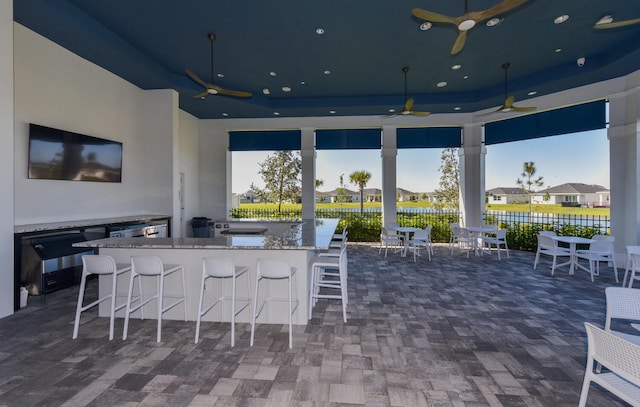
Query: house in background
point(507, 195)
point(574, 194)
point(349, 195)
point(372, 195)
point(404, 195)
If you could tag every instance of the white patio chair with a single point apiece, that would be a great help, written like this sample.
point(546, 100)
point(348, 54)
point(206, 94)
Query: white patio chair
point(633, 265)
point(620, 357)
point(500, 239)
point(624, 304)
point(548, 246)
point(600, 250)
point(421, 238)
point(390, 240)
point(466, 241)
point(455, 234)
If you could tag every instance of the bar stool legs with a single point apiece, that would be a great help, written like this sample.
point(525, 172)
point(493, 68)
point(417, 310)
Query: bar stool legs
point(275, 270)
point(223, 268)
point(100, 265)
point(152, 266)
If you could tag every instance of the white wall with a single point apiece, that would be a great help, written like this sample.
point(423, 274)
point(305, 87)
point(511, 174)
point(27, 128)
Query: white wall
point(6, 158)
point(56, 88)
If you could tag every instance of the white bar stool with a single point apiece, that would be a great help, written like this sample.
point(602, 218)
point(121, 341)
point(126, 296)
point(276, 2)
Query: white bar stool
point(152, 266)
point(223, 268)
point(275, 270)
point(322, 277)
point(99, 265)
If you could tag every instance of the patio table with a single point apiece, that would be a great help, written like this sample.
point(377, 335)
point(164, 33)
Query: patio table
point(406, 230)
point(573, 259)
point(478, 232)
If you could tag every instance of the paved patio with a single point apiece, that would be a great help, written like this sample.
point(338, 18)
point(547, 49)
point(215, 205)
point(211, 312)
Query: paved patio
point(450, 332)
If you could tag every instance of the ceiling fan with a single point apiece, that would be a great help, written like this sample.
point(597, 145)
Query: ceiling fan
point(408, 103)
point(509, 100)
point(211, 88)
point(468, 20)
point(607, 22)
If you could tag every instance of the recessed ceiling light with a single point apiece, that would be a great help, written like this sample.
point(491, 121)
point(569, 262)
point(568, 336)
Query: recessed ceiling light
point(225, 114)
point(441, 84)
point(561, 19)
point(332, 111)
point(533, 92)
point(558, 50)
point(265, 91)
point(392, 110)
point(457, 108)
point(493, 22)
point(303, 83)
point(605, 20)
point(465, 77)
point(456, 67)
point(272, 73)
point(276, 113)
point(220, 75)
point(319, 31)
point(286, 89)
point(425, 26)
point(327, 72)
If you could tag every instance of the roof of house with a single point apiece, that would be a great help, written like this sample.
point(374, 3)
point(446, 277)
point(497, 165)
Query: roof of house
point(404, 191)
point(507, 191)
point(574, 188)
point(372, 191)
point(348, 191)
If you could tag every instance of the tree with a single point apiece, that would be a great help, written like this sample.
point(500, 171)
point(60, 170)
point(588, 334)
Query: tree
point(528, 180)
point(360, 178)
point(448, 193)
point(319, 183)
point(341, 191)
point(281, 175)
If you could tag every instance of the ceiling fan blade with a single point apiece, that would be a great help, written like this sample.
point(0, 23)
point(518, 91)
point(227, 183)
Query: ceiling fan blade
point(508, 102)
point(236, 93)
point(616, 24)
point(522, 109)
point(201, 95)
point(408, 105)
point(460, 41)
point(499, 8)
point(196, 78)
point(433, 17)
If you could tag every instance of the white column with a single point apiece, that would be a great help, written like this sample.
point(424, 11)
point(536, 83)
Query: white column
point(389, 153)
point(624, 156)
point(308, 153)
point(471, 160)
point(6, 159)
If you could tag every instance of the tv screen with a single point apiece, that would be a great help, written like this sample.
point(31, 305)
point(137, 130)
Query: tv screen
point(59, 154)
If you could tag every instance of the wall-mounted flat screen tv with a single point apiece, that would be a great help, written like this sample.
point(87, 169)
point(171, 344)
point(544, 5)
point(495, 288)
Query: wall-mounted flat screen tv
point(63, 155)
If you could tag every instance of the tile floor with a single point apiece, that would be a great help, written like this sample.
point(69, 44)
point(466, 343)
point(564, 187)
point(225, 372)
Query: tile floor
point(450, 332)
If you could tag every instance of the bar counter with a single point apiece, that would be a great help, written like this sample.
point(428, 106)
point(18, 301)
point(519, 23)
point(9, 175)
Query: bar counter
point(298, 245)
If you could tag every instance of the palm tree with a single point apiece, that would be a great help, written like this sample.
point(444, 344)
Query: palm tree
point(360, 178)
point(319, 183)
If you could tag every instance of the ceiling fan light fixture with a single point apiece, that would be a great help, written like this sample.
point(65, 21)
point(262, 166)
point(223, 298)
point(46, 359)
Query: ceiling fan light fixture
point(605, 20)
point(466, 25)
point(212, 91)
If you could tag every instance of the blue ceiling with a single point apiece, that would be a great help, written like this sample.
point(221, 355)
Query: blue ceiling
point(365, 44)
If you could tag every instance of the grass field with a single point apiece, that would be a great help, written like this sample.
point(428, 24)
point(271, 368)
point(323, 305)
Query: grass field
point(555, 209)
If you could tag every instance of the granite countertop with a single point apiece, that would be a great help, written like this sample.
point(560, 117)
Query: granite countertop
point(314, 234)
point(52, 226)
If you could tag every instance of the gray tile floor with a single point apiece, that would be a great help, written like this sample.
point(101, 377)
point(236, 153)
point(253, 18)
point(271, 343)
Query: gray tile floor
point(450, 332)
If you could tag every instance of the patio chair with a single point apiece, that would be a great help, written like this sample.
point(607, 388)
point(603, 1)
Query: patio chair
point(421, 238)
point(600, 250)
point(633, 264)
point(465, 241)
point(455, 234)
point(500, 239)
point(548, 246)
point(623, 304)
point(390, 239)
point(620, 357)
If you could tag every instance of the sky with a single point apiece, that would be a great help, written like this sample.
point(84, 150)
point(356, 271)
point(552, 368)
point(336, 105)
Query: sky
point(579, 157)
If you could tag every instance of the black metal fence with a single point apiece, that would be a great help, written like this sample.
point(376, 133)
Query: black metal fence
point(522, 227)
